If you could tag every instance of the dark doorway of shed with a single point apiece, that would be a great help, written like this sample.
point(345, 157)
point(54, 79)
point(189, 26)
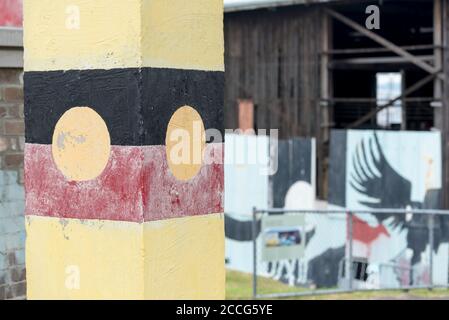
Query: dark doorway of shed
point(356, 63)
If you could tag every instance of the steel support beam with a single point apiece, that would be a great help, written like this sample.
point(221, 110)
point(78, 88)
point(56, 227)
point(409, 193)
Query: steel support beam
point(418, 85)
point(384, 42)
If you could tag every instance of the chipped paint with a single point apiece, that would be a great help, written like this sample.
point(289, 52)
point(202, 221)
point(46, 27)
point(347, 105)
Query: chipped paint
point(185, 143)
point(136, 185)
point(174, 34)
point(81, 144)
point(188, 254)
point(183, 34)
point(133, 116)
point(109, 256)
point(107, 253)
point(108, 216)
point(51, 45)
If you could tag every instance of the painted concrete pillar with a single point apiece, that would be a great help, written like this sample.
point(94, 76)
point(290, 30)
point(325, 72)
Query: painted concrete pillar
point(124, 194)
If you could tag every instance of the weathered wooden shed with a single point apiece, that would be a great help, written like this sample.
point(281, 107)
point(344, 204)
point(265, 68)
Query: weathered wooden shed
point(308, 66)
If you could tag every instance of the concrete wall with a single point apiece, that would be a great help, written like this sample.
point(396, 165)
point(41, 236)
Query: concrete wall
point(12, 228)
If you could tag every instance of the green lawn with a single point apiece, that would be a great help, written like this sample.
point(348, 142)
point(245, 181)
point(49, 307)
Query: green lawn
point(239, 286)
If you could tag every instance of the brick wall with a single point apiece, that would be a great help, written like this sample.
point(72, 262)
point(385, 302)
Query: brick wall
point(12, 226)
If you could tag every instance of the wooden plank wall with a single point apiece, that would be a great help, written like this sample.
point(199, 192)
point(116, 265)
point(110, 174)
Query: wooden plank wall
point(273, 58)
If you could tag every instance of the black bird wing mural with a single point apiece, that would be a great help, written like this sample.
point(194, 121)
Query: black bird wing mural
point(374, 177)
point(239, 230)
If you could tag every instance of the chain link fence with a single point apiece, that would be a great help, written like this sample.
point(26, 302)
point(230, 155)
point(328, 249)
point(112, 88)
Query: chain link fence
point(340, 251)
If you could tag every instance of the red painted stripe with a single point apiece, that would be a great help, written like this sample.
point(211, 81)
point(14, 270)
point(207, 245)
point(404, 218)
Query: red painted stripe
point(136, 186)
point(167, 197)
point(11, 13)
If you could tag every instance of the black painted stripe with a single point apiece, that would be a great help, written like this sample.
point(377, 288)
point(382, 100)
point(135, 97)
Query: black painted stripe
point(337, 168)
point(294, 165)
point(136, 104)
point(240, 230)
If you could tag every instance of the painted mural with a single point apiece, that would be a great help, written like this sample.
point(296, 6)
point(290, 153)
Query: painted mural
point(246, 186)
point(386, 169)
point(368, 169)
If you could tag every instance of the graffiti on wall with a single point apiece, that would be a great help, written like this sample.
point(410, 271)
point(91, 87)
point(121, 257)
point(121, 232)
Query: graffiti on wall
point(368, 170)
point(385, 169)
point(292, 186)
point(245, 188)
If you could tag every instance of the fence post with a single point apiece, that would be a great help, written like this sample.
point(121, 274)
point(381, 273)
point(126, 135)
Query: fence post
point(349, 260)
point(431, 245)
point(254, 231)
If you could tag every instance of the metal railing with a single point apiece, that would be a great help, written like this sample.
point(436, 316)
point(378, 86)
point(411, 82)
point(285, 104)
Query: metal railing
point(345, 266)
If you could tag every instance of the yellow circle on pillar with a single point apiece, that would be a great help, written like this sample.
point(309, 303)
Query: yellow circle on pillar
point(81, 144)
point(185, 142)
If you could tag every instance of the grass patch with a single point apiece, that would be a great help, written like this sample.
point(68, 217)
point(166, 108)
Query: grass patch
point(239, 286)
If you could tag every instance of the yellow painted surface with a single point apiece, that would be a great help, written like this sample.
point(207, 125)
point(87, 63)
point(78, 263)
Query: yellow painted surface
point(107, 256)
point(185, 142)
point(183, 34)
point(108, 34)
point(187, 257)
point(181, 258)
point(81, 144)
point(81, 34)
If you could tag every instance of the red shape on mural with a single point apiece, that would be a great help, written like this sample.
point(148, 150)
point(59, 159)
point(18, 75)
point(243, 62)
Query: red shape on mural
point(11, 13)
point(365, 233)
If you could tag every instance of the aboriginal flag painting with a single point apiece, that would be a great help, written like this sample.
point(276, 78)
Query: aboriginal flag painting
point(124, 192)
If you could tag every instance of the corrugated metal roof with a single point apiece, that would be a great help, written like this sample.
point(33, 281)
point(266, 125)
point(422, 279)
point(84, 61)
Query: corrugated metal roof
point(240, 5)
